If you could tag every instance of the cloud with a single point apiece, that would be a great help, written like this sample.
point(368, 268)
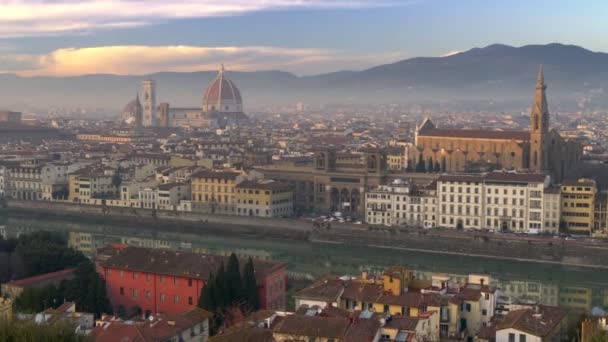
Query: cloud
point(141, 59)
point(48, 17)
point(452, 53)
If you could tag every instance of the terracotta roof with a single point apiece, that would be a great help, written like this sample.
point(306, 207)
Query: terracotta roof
point(402, 323)
point(44, 278)
point(222, 174)
point(580, 182)
point(264, 185)
point(173, 263)
point(524, 177)
point(159, 328)
point(529, 321)
point(475, 134)
point(327, 289)
point(313, 326)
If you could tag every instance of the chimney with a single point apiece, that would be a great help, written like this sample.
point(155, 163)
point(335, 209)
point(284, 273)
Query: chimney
point(481, 281)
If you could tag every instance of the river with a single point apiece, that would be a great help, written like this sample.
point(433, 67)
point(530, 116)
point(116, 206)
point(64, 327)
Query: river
point(579, 289)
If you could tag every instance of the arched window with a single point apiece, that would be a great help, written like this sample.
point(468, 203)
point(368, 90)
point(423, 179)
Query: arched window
point(536, 122)
point(535, 158)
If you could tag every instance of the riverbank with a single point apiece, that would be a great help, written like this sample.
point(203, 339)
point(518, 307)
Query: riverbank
point(492, 246)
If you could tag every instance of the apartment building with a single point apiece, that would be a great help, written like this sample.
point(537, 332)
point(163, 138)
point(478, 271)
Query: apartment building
point(264, 198)
point(213, 191)
point(400, 203)
point(495, 200)
point(577, 205)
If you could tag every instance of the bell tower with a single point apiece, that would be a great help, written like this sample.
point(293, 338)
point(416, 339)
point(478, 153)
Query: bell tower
point(539, 126)
point(149, 105)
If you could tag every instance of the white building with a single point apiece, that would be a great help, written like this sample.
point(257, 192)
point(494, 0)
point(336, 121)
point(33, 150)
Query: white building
point(538, 324)
point(496, 200)
point(401, 203)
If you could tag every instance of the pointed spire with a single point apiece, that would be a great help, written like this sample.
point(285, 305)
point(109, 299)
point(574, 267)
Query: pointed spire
point(540, 79)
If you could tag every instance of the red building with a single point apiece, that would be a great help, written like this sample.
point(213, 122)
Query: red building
point(162, 281)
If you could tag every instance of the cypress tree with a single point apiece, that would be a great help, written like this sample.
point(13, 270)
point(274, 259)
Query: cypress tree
point(437, 167)
point(233, 280)
point(207, 298)
point(250, 287)
point(430, 166)
point(220, 295)
point(420, 167)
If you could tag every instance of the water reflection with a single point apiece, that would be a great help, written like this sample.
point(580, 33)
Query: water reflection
point(575, 288)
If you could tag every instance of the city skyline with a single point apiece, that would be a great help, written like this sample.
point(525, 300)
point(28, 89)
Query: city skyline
point(303, 37)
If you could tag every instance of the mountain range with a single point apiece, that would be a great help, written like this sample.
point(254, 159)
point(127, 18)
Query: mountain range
point(496, 77)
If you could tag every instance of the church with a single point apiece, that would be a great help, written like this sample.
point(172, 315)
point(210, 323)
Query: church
point(537, 149)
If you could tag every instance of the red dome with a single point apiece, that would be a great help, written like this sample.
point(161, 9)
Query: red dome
point(222, 95)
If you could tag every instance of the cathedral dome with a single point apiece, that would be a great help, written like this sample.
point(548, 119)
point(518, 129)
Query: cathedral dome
point(222, 95)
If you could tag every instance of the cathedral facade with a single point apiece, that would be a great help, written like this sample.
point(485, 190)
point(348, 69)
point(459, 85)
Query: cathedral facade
point(538, 149)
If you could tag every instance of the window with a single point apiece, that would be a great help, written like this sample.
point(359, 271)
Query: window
point(484, 312)
point(189, 300)
point(134, 275)
point(190, 282)
point(162, 297)
point(175, 281)
point(176, 299)
point(122, 290)
point(511, 337)
point(468, 306)
point(522, 338)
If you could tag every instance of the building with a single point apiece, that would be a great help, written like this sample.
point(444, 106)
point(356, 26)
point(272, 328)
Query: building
point(400, 203)
point(6, 309)
point(578, 205)
point(538, 149)
point(154, 280)
point(213, 191)
point(600, 221)
point(222, 102)
point(93, 184)
point(264, 198)
point(163, 115)
point(83, 322)
point(495, 200)
point(149, 105)
point(14, 288)
point(24, 180)
point(592, 328)
point(541, 323)
point(189, 326)
point(6, 116)
point(330, 182)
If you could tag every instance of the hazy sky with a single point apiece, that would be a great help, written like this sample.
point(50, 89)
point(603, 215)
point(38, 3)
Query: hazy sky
point(73, 37)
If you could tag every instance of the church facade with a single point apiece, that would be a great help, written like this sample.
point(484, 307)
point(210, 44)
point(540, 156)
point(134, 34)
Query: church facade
point(538, 149)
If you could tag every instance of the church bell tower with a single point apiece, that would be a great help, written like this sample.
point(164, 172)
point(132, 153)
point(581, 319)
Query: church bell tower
point(539, 126)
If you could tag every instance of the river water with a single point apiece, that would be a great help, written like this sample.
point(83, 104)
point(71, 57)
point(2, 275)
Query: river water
point(575, 288)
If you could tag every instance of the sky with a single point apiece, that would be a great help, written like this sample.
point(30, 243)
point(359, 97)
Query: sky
point(305, 37)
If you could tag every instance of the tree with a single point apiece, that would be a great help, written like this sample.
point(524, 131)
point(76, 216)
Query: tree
point(250, 287)
point(437, 167)
point(220, 292)
point(233, 280)
point(207, 299)
point(29, 331)
point(420, 167)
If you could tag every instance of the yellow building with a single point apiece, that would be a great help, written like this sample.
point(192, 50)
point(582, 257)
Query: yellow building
point(578, 202)
point(82, 242)
point(600, 222)
point(264, 198)
point(6, 309)
point(213, 191)
point(573, 297)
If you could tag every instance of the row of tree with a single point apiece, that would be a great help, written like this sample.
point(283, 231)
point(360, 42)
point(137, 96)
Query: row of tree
point(28, 331)
point(426, 166)
point(87, 290)
point(35, 253)
point(229, 293)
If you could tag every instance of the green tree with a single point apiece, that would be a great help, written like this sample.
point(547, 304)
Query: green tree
point(437, 167)
point(207, 298)
point(420, 167)
point(220, 292)
point(250, 287)
point(28, 331)
point(233, 280)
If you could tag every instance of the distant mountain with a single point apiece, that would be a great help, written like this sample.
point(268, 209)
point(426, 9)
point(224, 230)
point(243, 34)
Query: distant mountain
point(495, 77)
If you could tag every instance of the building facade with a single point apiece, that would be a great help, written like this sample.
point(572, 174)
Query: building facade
point(213, 191)
point(578, 205)
point(264, 198)
point(163, 281)
point(538, 149)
